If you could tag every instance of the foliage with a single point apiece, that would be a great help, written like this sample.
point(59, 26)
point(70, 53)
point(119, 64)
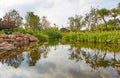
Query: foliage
point(32, 21)
point(13, 15)
point(44, 22)
point(91, 19)
point(101, 27)
point(96, 37)
point(103, 13)
point(41, 36)
point(75, 23)
point(53, 33)
point(2, 31)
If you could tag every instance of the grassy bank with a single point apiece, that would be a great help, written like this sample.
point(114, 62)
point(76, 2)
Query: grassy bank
point(43, 35)
point(95, 37)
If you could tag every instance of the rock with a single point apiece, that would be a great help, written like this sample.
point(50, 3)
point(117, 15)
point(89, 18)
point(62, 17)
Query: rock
point(16, 39)
point(8, 40)
point(1, 40)
point(26, 40)
point(32, 44)
point(11, 36)
point(3, 36)
point(18, 44)
point(33, 39)
point(19, 39)
point(17, 34)
point(3, 43)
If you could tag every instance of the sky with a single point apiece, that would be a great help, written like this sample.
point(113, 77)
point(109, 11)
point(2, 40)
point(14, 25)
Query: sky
point(57, 11)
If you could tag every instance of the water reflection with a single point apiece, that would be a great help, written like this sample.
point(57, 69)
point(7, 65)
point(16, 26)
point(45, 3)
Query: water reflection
point(57, 60)
point(97, 55)
point(96, 58)
point(36, 54)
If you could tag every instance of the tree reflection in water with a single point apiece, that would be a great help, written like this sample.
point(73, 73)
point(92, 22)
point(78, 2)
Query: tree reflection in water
point(15, 57)
point(36, 54)
point(96, 58)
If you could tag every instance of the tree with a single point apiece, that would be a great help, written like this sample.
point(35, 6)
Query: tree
point(103, 13)
point(75, 23)
point(118, 6)
point(114, 13)
point(78, 22)
point(32, 21)
point(71, 23)
point(91, 19)
point(44, 22)
point(13, 15)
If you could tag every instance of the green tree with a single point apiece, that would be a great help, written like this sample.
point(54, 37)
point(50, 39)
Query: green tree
point(71, 23)
point(32, 21)
point(114, 13)
point(75, 23)
point(44, 22)
point(91, 19)
point(78, 22)
point(13, 15)
point(103, 13)
point(118, 6)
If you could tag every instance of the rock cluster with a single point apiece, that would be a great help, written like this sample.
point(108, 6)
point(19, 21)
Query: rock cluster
point(8, 42)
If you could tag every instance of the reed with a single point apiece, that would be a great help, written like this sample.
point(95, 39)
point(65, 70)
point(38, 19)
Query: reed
point(96, 37)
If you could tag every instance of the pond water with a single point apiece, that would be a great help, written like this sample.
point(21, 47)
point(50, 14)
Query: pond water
point(62, 61)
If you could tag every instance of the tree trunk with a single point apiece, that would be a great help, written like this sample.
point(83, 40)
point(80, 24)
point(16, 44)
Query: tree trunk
point(114, 23)
point(105, 22)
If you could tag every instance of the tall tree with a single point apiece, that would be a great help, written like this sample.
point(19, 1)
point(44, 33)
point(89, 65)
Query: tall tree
point(13, 15)
point(91, 18)
point(114, 13)
point(75, 23)
point(78, 22)
point(32, 21)
point(103, 13)
point(118, 6)
point(71, 23)
point(44, 22)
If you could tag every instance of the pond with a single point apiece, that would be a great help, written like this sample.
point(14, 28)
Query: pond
point(62, 61)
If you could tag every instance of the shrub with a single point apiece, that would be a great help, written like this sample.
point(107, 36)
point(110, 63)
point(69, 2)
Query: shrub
point(53, 33)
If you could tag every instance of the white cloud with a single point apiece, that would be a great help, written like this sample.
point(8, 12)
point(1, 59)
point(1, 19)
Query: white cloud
point(11, 3)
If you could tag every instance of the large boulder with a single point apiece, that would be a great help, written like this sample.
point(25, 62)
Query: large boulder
point(7, 40)
point(26, 40)
point(31, 38)
point(16, 39)
point(1, 40)
point(11, 36)
point(3, 36)
point(18, 44)
point(17, 34)
point(19, 39)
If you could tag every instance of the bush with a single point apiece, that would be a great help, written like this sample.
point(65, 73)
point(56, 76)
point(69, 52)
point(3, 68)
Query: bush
point(53, 33)
point(41, 36)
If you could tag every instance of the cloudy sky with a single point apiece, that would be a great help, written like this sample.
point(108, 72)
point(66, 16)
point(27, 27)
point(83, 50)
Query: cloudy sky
point(57, 11)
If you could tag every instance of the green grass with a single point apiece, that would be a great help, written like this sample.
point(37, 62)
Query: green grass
point(44, 35)
point(96, 37)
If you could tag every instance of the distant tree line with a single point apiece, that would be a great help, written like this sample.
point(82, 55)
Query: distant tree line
point(95, 18)
point(32, 21)
point(92, 20)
